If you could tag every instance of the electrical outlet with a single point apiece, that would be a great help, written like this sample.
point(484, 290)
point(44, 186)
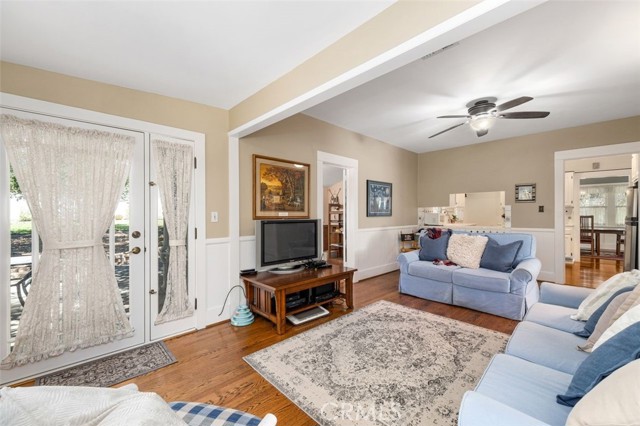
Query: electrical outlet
point(540, 209)
point(214, 216)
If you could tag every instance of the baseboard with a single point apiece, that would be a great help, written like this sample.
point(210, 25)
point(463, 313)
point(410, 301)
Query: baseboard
point(375, 271)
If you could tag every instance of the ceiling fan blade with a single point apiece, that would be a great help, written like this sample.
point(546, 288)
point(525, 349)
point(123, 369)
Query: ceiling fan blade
point(481, 133)
point(525, 114)
point(513, 103)
point(454, 116)
point(450, 128)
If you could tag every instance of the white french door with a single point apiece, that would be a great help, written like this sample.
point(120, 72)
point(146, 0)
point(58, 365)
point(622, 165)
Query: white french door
point(135, 244)
point(119, 242)
point(159, 254)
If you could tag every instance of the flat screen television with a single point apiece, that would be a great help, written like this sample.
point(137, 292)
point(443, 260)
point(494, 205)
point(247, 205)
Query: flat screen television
point(284, 244)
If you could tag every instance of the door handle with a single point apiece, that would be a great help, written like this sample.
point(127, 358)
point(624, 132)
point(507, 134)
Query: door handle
point(135, 250)
point(152, 291)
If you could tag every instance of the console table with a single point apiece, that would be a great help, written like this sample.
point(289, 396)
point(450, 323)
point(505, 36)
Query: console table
point(262, 286)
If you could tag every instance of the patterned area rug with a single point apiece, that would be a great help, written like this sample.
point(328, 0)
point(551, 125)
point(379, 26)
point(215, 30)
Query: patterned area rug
point(384, 364)
point(114, 369)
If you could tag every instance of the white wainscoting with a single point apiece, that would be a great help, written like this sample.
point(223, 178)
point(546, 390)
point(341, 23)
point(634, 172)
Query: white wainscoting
point(218, 281)
point(376, 254)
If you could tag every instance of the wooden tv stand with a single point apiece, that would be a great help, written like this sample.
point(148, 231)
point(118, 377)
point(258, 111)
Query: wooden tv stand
point(263, 285)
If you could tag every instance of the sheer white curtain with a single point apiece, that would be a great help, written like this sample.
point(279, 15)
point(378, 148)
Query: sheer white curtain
point(72, 179)
point(174, 163)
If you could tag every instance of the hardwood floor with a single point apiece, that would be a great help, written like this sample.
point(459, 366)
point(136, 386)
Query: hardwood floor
point(590, 272)
point(210, 368)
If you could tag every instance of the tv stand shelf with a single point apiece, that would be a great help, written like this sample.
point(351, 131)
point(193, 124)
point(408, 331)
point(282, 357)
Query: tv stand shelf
point(265, 285)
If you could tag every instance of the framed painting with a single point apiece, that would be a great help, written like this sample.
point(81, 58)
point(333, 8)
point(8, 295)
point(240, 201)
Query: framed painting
point(526, 193)
point(379, 198)
point(280, 188)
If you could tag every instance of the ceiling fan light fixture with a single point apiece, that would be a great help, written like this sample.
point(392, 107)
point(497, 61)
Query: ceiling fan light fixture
point(482, 121)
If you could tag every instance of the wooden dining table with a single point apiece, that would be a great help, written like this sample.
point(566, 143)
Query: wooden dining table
point(599, 231)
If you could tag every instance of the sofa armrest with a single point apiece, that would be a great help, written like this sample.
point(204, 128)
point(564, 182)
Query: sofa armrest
point(404, 259)
point(526, 272)
point(563, 295)
point(480, 410)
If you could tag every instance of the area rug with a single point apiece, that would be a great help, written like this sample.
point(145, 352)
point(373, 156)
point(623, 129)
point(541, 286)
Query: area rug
point(114, 369)
point(384, 364)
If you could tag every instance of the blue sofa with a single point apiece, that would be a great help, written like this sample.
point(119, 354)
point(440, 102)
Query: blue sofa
point(506, 294)
point(520, 386)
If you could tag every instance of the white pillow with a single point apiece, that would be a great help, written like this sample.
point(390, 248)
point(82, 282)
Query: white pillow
point(466, 250)
point(604, 292)
point(630, 317)
point(614, 401)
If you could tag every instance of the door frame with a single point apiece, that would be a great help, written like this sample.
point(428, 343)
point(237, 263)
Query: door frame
point(10, 101)
point(559, 169)
point(350, 166)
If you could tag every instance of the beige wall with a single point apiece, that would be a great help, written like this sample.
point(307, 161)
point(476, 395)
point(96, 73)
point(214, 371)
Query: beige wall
point(105, 98)
point(397, 24)
point(298, 138)
point(500, 165)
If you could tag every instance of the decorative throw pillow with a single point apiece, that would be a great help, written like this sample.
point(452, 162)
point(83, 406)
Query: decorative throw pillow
point(466, 250)
point(632, 316)
point(631, 301)
point(591, 323)
point(613, 402)
point(604, 322)
point(616, 352)
point(604, 291)
point(500, 257)
point(433, 244)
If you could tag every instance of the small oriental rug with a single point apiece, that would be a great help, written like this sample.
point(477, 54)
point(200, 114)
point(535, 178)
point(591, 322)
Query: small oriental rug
point(114, 369)
point(385, 364)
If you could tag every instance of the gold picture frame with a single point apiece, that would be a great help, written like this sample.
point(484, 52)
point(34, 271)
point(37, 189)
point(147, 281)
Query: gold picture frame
point(280, 188)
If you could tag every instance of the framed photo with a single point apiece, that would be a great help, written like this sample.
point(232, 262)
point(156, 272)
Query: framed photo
point(378, 198)
point(526, 193)
point(280, 188)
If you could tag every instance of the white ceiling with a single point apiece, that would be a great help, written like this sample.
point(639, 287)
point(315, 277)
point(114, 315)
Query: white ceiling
point(212, 52)
point(578, 60)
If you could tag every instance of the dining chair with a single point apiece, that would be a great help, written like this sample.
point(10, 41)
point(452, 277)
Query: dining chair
point(586, 232)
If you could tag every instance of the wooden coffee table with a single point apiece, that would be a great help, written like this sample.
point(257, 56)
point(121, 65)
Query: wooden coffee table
point(262, 286)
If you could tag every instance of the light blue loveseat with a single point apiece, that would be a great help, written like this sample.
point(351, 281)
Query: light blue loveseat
point(507, 294)
point(520, 386)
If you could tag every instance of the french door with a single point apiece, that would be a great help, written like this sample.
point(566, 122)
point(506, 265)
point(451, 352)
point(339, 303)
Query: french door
point(135, 244)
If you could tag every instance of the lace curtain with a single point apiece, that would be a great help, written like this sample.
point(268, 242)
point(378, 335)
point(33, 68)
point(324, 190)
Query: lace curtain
point(174, 163)
point(72, 179)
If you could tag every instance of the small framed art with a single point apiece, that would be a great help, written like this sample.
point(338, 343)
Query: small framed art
point(526, 193)
point(379, 198)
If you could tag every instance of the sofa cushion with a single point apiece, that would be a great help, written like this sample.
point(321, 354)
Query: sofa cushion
point(500, 257)
point(482, 279)
point(546, 346)
point(590, 325)
point(616, 352)
point(466, 250)
point(604, 322)
point(433, 244)
point(554, 316)
point(527, 387)
point(433, 272)
point(614, 401)
point(528, 248)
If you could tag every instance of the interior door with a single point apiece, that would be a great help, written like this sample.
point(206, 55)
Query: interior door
point(125, 234)
point(159, 254)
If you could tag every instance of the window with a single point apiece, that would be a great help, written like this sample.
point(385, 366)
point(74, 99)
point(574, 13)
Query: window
point(606, 202)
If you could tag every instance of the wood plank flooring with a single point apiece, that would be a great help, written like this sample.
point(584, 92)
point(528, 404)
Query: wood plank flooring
point(590, 272)
point(210, 368)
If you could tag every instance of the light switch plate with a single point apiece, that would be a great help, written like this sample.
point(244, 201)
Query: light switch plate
point(214, 216)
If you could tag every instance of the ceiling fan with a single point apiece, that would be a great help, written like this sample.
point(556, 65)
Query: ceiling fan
point(484, 112)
